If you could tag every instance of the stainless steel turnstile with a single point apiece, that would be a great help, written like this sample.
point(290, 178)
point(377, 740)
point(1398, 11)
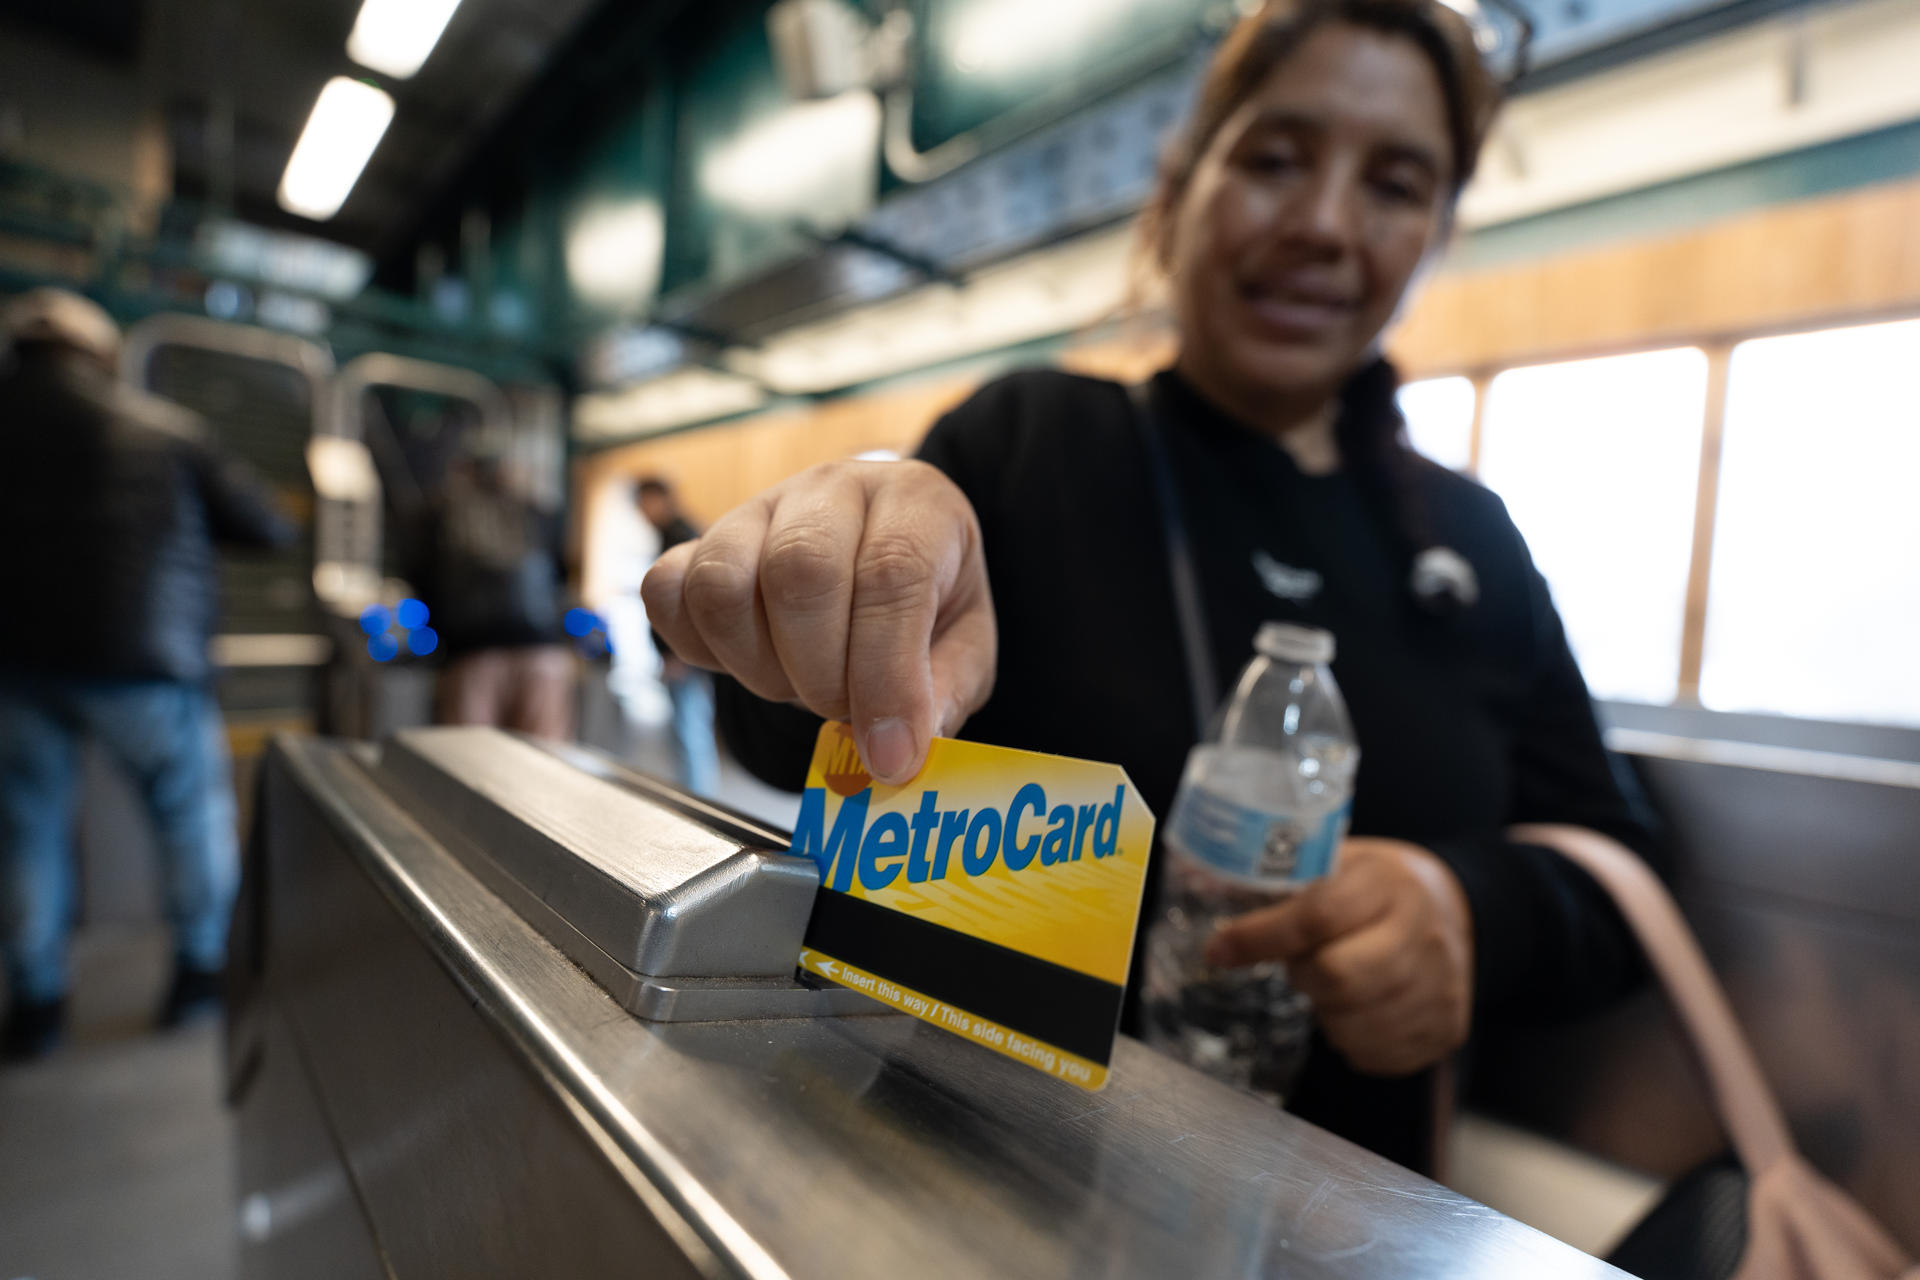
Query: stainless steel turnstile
point(442, 1068)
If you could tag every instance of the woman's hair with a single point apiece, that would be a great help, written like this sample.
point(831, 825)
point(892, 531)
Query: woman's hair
point(1370, 425)
point(1264, 39)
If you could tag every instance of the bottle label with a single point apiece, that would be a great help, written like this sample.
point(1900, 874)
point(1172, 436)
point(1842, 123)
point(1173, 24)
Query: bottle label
point(1254, 844)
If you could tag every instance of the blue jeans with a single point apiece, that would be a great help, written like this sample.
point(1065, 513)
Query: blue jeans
point(699, 758)
point(169, 738)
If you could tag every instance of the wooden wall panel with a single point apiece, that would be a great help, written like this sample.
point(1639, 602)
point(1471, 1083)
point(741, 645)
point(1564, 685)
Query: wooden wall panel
point(1844, 257)
point(717, 468)
point(1129, 357)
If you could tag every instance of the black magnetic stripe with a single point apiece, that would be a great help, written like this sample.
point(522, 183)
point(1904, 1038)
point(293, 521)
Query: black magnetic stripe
point(1049, 1002)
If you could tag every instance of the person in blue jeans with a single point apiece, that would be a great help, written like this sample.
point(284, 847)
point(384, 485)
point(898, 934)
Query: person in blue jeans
point(111, 506)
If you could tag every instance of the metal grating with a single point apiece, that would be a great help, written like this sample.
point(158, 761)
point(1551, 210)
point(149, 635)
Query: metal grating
point(1087, 171)
point(261, 413)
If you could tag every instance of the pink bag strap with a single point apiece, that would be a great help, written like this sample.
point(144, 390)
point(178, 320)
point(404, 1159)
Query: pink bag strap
point(1800, 1225)
point(1741, 1095)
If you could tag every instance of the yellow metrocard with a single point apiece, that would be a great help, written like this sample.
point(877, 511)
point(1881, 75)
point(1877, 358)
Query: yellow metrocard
point(995, 895)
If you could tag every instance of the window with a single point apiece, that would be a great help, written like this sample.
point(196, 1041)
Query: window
point(1813, 604)
point(1598, 462)
point(1439, 413)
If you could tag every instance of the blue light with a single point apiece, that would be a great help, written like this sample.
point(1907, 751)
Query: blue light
point(411, 613)
point(374, 619)
point(383, 647)
point(423, 640)
point(581, 622)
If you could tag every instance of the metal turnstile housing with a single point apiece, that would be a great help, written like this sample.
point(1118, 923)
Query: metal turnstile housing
point(429, 1086)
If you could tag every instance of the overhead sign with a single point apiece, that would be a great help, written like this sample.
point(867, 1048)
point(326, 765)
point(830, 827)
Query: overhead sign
point(995, 895)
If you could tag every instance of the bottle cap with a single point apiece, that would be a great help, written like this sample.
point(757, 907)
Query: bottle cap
point(1284, 642)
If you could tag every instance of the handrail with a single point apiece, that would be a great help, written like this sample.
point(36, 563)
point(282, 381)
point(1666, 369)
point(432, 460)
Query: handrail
point(383, 369)
point(345, 571)
point(1772, 759)
point(249, 342)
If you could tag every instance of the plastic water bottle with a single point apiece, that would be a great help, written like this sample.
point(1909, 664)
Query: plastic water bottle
point(1261, 811)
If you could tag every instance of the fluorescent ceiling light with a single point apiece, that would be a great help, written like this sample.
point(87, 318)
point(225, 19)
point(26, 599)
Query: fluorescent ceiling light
point(342, 469)
point(677, 400)
point(394, 37)
point(1013, 37)
point(816, 157)
point(614, 253)
point(346, 125)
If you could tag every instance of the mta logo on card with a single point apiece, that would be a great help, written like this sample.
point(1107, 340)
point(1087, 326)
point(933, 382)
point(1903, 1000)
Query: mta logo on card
point(995, 895)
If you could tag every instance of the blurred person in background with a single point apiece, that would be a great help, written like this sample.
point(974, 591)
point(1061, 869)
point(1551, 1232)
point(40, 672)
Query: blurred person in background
point(491, 568)
point(111, 506)
point(1017, 580)
point(689, 689)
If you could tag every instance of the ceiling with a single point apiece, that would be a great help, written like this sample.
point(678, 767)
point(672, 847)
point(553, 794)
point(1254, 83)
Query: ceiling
point(235, 80)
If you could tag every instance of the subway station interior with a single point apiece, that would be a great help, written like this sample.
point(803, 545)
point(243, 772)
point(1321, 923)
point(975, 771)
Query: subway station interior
point(456, 455)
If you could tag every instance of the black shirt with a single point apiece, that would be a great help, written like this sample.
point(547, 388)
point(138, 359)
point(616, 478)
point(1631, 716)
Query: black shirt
point(674, 532)
point(491, 569)
point(113, 504)
point(1466, 724)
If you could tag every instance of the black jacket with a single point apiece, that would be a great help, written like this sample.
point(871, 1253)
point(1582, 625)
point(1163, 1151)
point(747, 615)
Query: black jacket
point(491, 570)
point(1466, 724)
point(111, 505)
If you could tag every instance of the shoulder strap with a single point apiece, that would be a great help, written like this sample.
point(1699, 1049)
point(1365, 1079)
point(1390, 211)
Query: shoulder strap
point(1203, 684)
point(1799, 1225)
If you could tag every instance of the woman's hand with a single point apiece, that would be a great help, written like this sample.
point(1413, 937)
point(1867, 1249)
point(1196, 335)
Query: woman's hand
point(857, 589)
point(1384, 949)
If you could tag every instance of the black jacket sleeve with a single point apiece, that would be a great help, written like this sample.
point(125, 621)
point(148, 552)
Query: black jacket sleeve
point(240, 507)
point(1548, 941)
point(239, 503)
point(772, 740)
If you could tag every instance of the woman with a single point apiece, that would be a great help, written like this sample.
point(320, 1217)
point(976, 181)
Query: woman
point(1016, 579)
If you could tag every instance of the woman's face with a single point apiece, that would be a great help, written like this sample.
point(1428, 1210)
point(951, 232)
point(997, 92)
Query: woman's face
point(1308, 214)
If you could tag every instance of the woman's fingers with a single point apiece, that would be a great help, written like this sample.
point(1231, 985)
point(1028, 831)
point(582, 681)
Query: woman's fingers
point(1383, 948)
point(918, 552)
point(806, 586)
point(965, 658)
point(721, 590)
point(663, 593)
point(1394, 1037)
point(1360, 969)
point(1297, 925)
point(858, 589)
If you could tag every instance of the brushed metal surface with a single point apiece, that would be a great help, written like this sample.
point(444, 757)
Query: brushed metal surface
point(731, 822)
point(299, 1216)
point(849, 1147)
point(1766, 757)
point(659, 999)
point(467, 1162)
point(658, 892)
